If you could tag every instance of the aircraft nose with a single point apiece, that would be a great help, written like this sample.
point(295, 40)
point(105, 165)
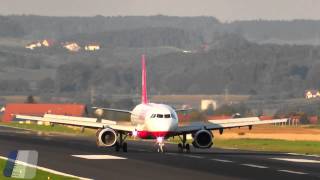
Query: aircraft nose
point(162, 125)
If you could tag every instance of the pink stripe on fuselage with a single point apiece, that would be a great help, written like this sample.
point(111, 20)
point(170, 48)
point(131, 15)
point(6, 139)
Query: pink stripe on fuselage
point(154, 134)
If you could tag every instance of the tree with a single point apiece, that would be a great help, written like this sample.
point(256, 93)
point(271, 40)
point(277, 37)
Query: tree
point(197, 116)
point(225, 110)
point(46, 85)
point(30, 99)
point(209, 111)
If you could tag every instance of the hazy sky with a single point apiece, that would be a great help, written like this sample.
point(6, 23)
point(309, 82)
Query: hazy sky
point(225, 10)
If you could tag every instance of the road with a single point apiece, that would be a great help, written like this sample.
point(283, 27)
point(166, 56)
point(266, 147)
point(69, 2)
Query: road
point(69, 154)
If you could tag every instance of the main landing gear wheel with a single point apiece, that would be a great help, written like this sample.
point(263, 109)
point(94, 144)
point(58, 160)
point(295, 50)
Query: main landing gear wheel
point(187, 148)
point(183, 146)
point(117, 147)
point(180, 148)
point(120, 144)
point(125, 147)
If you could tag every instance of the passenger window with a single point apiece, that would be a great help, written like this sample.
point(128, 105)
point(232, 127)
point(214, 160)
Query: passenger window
point(159, 115)
point(167, 116)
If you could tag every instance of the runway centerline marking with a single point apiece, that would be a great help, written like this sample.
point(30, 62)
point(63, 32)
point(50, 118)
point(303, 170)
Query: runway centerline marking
point(292, 172)
point(193, 156)
point(255, 166)
point(297, 160)
point(141, 150)
point(98, 157)
point(222, 160)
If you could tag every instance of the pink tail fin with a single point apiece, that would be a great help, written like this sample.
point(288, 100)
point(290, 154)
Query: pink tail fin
point(144, 95)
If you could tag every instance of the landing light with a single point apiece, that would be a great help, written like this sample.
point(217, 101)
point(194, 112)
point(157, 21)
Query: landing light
point(159, 139)
point(134, 133)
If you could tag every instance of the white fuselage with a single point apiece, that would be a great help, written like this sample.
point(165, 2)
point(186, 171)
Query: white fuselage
point(154, 120)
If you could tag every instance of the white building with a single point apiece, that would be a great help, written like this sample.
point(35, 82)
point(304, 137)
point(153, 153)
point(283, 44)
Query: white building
point(206, 102)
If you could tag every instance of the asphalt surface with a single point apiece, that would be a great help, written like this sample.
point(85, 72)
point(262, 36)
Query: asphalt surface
point(142, 162)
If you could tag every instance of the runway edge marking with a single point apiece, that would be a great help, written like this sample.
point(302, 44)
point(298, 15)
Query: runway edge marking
point(48, 170)
point(307, 155)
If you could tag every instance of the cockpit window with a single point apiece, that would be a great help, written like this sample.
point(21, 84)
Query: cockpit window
point(173, 116)
point(153, 115)
point(167, 116)
point(159, 115)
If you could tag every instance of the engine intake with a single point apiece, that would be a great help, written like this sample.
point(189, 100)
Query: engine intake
point(202, 139)
point(106, 137)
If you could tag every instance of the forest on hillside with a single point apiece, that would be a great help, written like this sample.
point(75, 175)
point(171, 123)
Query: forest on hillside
point(238, 58)
point(232, 63)
point(201, 28)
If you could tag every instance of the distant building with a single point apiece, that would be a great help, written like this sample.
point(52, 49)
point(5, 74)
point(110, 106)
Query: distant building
point(205, 103)
point(72, 46)
point(40, 109)
point(47, 43)
point(309, 94)
point(187, 51)
point(38, 44)
point(313, 119)
point(92, 47)
point(33, 45)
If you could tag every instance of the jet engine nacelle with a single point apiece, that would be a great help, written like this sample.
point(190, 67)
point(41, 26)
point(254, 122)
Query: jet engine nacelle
point(106, 137)
point(202, 139)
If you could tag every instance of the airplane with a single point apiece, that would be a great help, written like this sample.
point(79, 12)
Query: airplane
point(151, 121)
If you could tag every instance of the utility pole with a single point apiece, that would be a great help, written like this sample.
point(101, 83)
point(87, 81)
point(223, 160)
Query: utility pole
point(92, 95)
point(226, 95)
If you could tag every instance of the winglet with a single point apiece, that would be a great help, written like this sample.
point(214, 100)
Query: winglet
point(144, 95)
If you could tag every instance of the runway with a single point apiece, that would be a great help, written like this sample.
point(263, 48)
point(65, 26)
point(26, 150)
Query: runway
point(81, 157)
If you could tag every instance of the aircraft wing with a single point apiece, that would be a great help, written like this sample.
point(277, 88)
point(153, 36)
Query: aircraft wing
point(115, 110)
point(79, 121)
point(226, 124)
point(183, 110)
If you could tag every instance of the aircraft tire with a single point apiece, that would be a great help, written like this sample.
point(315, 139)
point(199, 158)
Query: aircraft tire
point(125, 147)
point(180, 149)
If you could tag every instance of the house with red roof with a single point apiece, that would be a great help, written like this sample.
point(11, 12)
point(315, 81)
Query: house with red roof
point(40, 109)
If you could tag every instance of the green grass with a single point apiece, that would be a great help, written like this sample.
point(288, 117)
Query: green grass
point(39, 174)
point(53, 129)
point(303, 147)
point(316, 126)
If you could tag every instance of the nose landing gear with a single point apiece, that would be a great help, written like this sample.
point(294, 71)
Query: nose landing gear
point(160, 143)
point(161, 148)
